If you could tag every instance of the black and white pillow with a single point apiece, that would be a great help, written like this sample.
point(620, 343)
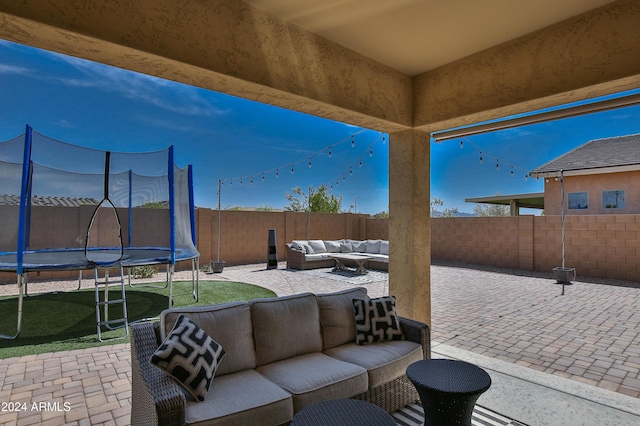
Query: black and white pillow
point(376, 320)
point(190, 356)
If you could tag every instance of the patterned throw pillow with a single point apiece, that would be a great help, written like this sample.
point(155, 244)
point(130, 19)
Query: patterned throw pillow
point(376, 320)
point(190, 356)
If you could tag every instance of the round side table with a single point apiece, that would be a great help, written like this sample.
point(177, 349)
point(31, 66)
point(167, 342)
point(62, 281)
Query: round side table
point(343, 412)
point(448, 389)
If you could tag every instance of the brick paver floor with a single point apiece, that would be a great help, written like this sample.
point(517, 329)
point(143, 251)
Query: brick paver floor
point(590, 335)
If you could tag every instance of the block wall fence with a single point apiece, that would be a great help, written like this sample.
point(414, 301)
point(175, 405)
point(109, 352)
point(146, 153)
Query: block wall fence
point(606, 246)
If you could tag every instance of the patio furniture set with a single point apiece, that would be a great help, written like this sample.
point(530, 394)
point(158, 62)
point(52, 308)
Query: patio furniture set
point(303, 359)
point(276, 357)
point(312, 254)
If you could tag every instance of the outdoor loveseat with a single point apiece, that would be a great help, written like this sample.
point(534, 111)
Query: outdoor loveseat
point(312, 254)
point(281, 354)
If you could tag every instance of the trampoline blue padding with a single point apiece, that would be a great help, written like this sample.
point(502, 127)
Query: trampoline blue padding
point(74, 259)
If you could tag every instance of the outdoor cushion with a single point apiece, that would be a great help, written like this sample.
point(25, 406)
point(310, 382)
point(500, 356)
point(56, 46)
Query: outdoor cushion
point(373, 246)
point(286, 326)
point(228, 402)
point(228, 324)
point(384, 247)
point(384, 361)
point(332, 246)
point(336, 316)
point(359, 246)
point(318, 246)
point(304, 244)
point(376, 320)
point(190, 356)
point(316, 377)
point(379, 257)
point(346, 247)
point(321, 256)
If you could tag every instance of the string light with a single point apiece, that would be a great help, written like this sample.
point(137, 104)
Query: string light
point(482, 156)
point(309, 162)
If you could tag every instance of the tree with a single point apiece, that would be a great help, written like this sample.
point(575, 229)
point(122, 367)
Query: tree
point(437, 202)
point(265, 208)
point(321, 200)
point(491, 210)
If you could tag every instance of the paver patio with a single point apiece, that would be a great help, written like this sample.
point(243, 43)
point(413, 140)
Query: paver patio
point(589, 335)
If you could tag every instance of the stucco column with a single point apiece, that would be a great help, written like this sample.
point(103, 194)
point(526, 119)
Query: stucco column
point(409, 224)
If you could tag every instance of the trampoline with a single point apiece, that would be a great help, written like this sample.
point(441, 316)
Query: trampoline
point(65, 207)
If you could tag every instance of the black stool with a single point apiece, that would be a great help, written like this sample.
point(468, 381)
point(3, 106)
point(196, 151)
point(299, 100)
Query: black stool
point(448, 389)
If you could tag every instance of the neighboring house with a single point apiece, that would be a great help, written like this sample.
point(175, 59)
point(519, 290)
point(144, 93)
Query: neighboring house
point(600, 177)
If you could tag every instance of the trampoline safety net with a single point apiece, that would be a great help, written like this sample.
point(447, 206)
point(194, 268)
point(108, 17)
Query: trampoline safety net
point(67, 207)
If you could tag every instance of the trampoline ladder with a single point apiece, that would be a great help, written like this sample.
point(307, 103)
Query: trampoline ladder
point(102, 305)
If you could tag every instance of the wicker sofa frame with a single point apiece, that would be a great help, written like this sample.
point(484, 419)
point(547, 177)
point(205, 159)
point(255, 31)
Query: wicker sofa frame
point(158, 400)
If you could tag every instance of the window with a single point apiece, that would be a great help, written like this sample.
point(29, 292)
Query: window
point(578, 200)
point(614, 199)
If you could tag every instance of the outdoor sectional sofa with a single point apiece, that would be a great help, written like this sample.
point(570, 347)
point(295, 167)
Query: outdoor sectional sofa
point(312, 254)
point(282, 354)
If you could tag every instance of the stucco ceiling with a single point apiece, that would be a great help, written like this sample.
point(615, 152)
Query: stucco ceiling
point(414, 36)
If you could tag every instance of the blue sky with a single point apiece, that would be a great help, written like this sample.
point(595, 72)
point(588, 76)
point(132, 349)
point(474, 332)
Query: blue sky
point(224, 137)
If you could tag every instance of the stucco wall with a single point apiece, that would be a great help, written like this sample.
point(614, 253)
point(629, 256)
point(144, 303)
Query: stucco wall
point(594, 185)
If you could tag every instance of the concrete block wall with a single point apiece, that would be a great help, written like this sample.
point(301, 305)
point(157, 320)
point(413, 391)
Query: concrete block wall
point(605, 246)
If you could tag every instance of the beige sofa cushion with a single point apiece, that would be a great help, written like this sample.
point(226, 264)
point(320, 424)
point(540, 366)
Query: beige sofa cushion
point(286, 326)
point(243, 398)
point(316, 377)
point(384, 361)
point(228, 324)
point(337, 317)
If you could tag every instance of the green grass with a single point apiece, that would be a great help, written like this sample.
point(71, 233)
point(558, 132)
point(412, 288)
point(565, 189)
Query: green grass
point(56, 322)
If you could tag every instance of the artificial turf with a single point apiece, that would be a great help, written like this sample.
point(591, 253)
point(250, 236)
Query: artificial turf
point(64, 321)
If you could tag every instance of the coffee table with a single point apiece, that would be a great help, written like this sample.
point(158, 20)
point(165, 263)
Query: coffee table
point(359, 259)
point(448, 389)
point(343, 412)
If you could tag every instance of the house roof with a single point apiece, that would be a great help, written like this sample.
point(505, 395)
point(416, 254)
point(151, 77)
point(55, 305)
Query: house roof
point(608, 155)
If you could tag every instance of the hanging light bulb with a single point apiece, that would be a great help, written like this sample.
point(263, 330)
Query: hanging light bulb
point(292, 169)
point(511, 171)
point(371, 152)
point(329, 152)
point(240, 181)
point(350, 171)
point(309, 163)
point(497, 165)
point(230, 182)
point(251, 181)
point(263, 177)
point(344, 178)
point(481, 157)
point(526, 176)
point(384, 140)
point(353, 142)
point(277, 173)
point(461, 144)
point(360, 162)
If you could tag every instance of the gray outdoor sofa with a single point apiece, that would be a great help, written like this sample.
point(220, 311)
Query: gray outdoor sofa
point(282, 354)
point(312, 254)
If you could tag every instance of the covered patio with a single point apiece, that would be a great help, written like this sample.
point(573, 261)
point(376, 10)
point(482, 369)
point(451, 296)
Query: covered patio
point(369, 64)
